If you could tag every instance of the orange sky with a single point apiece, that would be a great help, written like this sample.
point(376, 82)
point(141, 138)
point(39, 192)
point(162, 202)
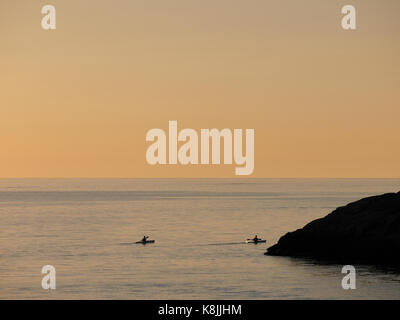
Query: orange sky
point(78, 101)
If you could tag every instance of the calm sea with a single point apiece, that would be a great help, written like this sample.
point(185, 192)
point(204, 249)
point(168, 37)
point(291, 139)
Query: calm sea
point(86, 229)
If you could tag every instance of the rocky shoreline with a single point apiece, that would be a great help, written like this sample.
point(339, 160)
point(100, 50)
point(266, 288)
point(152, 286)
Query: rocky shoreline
point(364, 231)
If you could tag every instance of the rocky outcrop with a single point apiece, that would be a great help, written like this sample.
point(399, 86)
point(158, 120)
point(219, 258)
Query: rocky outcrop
point(365, 231)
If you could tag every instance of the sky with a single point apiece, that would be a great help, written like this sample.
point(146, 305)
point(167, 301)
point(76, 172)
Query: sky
point(77, 101)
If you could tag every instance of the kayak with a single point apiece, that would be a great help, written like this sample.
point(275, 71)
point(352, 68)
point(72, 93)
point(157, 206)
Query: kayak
point(144, 242)
point(255, 242)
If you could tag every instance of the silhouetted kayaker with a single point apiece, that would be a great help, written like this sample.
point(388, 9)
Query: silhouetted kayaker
point(145, 238)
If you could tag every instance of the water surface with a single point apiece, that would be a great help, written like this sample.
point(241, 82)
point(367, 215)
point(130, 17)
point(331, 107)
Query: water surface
point(86, 229)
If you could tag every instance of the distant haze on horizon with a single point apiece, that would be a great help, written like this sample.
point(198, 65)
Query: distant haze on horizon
point(78, 101)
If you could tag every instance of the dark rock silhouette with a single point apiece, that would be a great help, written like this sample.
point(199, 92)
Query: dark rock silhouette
point(365, 231)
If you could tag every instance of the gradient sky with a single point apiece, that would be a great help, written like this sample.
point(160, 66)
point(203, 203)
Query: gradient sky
point(78, 101)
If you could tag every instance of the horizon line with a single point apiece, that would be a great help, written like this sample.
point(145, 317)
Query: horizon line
point(183, 178)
